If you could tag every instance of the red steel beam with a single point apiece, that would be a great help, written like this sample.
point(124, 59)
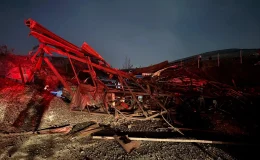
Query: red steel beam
point(74, 71)
point(38, 28)
point(88, 49)
point(83, 60)
point(46, 40)
point(34, 26)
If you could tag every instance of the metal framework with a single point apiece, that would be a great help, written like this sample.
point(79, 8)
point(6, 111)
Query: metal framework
point(100, 93)
point(169, 85)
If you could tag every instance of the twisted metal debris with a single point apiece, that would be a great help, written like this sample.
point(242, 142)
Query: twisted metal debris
point(162, 89)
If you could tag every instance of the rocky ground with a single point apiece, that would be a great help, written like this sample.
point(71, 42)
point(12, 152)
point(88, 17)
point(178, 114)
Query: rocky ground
point(22, 108)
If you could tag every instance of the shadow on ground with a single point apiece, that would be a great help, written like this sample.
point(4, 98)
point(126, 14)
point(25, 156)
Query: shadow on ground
point(30, 118)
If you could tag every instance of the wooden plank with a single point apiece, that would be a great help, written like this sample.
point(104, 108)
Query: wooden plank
point(175, 140)
point(74, 71)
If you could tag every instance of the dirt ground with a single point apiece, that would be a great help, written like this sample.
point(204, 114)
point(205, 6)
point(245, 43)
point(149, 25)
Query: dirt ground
point(26, 108)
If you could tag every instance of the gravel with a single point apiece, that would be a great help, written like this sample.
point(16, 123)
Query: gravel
point(57, 147)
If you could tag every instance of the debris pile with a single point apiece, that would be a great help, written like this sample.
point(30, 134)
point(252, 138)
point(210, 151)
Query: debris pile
point(203, 82)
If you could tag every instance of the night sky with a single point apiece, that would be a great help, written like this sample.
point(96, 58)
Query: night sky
point(147, 31)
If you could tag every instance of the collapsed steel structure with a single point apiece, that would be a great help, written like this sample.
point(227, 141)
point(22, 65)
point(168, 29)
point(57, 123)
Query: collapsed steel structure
point(166, 86)
point(87, 95)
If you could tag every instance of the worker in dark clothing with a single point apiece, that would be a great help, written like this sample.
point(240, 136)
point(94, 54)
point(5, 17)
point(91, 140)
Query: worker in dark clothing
point(58, 92)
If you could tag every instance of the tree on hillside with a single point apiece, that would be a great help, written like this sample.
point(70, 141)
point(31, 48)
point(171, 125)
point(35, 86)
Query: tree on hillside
point(127, 64)
point(4, 50)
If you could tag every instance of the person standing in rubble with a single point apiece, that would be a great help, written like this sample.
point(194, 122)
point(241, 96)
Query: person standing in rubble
point(201, 100)
point(58, 92)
